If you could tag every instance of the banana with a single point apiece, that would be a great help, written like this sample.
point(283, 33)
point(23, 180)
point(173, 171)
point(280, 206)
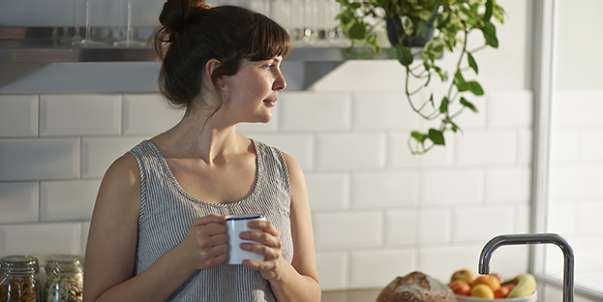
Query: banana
point(525, 285)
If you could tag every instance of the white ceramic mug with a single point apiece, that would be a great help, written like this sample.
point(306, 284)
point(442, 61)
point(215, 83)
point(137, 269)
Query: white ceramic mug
point(235, 225)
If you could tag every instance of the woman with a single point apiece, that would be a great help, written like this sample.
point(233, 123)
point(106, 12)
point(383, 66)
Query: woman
point(158, 228)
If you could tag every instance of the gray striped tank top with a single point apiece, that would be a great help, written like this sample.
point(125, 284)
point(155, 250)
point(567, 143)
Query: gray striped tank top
point(167, 213)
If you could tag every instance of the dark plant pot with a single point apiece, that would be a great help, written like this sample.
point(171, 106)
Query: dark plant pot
point(396, 35)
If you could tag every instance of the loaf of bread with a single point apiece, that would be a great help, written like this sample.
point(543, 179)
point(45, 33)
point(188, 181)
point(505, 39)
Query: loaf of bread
point(416, 287)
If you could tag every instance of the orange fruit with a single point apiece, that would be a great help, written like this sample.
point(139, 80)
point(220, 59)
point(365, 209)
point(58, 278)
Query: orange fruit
point(489, 280)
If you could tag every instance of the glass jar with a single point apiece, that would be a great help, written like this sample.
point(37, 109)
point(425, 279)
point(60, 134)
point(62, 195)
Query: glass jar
point(19, 279)
point(64, 279)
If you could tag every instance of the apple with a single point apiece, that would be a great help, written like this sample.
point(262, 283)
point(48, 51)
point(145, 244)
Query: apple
point(460, 287)
point(464, 275)
point(482, 291)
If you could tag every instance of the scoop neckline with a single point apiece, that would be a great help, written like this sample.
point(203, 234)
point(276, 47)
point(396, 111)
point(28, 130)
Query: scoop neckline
point(222, 203)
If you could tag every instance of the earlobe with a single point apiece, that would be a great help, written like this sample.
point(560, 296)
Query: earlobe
point(220, 84)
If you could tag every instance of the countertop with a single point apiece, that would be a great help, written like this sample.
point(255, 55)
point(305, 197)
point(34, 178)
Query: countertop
point(351, 295)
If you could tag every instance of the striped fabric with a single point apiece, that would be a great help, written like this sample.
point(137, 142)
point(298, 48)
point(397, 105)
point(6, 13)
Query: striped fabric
point(167, 213)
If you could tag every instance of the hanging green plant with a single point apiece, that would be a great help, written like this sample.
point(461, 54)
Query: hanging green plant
point(420, 32)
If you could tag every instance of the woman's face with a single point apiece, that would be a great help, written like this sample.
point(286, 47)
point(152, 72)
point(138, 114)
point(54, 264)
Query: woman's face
point(251, 93)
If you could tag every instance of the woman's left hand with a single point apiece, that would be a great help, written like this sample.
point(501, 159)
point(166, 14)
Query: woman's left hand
point(268, 244)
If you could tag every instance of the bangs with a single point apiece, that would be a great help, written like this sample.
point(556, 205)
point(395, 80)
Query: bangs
point(268, 40)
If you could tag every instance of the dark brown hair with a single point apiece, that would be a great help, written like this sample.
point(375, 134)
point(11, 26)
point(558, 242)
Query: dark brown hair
point(192, 33)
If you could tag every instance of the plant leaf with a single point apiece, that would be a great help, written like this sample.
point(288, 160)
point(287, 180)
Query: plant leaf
point(468, 104)
point(404, 55)
point(418, 136)
point(489, 31)
point(436, 136)
point(422, 29)
point(458, 77)
point(357, 31)
point(475, 88)
point(444, 105)
point(459, 82)
point(489, 10)
point(453, 125)
point(472, 63)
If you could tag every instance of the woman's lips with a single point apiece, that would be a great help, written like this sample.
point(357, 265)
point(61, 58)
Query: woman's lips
point(270, 103)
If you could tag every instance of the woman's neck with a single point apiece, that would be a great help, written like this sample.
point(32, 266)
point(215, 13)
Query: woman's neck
point(200, 136)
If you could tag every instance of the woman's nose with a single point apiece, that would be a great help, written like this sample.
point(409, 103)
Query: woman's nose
point(280, 83)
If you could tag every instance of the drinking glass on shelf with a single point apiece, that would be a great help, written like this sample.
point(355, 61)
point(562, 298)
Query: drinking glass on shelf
point(124, 31)
point(321, 22)
point(88, 15)
point(334, 34)
point(297, 21)
point(280, 11)
point(311, 21)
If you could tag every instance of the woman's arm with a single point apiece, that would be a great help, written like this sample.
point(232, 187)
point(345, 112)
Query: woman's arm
point(110, 255)
point(111, 248)
point(297, 281)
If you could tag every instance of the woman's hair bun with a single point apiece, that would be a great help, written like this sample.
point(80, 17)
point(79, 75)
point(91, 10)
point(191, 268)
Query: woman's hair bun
point(175, 13)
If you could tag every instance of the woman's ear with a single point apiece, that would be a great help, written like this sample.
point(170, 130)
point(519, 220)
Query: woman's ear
point(210, 68)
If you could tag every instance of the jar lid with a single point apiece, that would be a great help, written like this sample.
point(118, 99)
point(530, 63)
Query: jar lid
point(63, 264)
point(19, 264)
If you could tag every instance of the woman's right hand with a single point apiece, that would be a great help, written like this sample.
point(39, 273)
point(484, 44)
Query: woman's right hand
point(206, 244)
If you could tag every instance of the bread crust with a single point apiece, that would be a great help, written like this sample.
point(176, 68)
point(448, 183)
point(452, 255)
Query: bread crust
point(416, 287)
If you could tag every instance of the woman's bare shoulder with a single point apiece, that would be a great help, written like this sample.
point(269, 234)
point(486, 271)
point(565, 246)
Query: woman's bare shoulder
point(121, 184)
point(293, 165)
point(124, 170)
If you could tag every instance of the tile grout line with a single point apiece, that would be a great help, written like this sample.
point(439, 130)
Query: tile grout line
point(39, 182)
point(122, 115)
point(38, 116)
point(81, 153)
point(39, 201)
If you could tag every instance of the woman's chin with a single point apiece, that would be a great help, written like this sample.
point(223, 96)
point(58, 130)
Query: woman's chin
point(265, 118)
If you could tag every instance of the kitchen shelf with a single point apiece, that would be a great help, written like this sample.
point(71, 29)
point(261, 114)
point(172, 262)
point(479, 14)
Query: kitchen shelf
point(46, 45)
point(38, 60)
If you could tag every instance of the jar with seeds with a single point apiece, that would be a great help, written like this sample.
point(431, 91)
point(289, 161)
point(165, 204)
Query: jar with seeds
point(64, 279)
point(19, 279)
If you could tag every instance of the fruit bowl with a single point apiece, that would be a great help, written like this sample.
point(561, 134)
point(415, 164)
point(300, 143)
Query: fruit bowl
point(531, 298)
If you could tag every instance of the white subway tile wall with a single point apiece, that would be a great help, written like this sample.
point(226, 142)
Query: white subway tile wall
point(488, 147)
point(19, 202)
point(512, 109)
point(333, 269)
point(401, 228)
point(19, 115)
point(435, 226)
point(148, 114)
point(382, 265)
point(99, 153)
point(67, 200)
point(576, 190)
point(384, 190)
point(39, 158)
point(328, 191)
point(376, 208)
point(78, 115)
